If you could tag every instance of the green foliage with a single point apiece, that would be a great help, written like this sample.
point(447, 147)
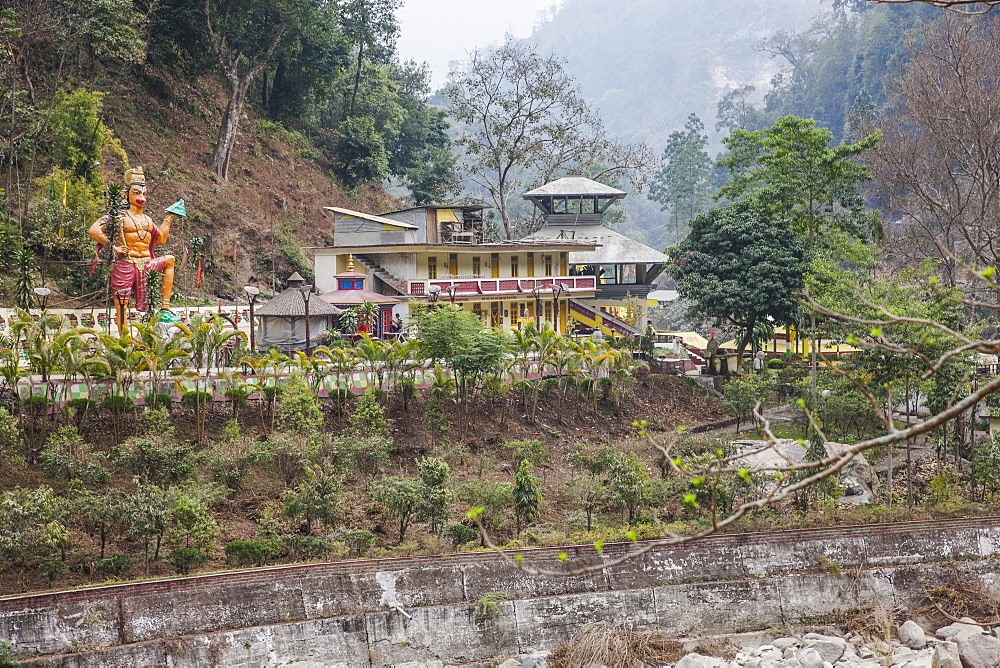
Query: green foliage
point(795, 175)
point(435, 492)
point(360, 152)
point(360, 542)
point(32, 523)
point(298, 409)
point(184, 559)
point(118, 565)
point(495, 498)
point(79, 135)
point(741, 394)
point(368, 419)
point(367, 456)
point(400, 497)
point(253, 552)
point(154, 457)
point(459, 534)
point(741, 266)
point(684, 183)
point(317, 499)
point(189, 518)
point(8, 657)
point(534, 450)
point(306, 547)
point(628, 483)
point(527, 496)
point(985, 473)
point(67, 456)
point(10, 437)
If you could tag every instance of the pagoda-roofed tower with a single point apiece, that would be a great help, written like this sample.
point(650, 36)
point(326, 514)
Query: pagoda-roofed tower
point(572, 208)
point(351, 292)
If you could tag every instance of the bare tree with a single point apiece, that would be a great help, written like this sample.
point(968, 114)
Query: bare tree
point(244, 37)
point(527, 121)
point(936, 170)
point(964, 6)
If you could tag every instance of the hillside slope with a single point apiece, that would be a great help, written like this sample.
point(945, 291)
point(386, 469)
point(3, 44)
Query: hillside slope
point(270, 208)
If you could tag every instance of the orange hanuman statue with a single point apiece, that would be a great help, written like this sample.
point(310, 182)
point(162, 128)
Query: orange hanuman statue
point(134, 249)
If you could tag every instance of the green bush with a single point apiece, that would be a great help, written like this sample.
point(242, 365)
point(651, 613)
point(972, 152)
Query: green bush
point(368, 418)
point(118, 565)
point(183, 559)
point(459, 533)
point(81, 408)
point(298, 410)
point(777, 364)
point(253, 552)
point(306, 547)
point(117, 404)
point(360, 542)
point(194, 399)
point(8, 658)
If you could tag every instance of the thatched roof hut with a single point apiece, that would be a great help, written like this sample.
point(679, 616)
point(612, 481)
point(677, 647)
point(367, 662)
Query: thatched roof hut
point(282, 321)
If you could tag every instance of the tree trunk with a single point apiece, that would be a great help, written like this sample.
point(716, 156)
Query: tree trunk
point(357, 75)
point(223, 153)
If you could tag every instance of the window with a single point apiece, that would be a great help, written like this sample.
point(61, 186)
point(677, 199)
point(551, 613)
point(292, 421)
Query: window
point(531, 265)
point(547, 262)
point(495, 318)
point(477, 310)
point(513, 266)
point(495, 265)
point(432, 267)
point(453, 264)
point(477, 267)
point(563, 263)
point(548, 311)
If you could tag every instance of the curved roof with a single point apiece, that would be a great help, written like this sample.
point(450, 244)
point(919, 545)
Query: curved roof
point(612, 247)
point(574, 185)
point(289, 304)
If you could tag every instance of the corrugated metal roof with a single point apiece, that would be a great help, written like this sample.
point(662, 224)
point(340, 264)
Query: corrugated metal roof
point(574, 185)
point(289, 304)
point(367, 216)
point(612, 247)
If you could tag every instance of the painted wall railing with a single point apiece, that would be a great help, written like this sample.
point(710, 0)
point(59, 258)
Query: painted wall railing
point(62, 391)
point(468, 287)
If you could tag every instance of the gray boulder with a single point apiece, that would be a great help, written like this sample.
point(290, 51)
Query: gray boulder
point(695, 660)
point(946, 656)
point(979, 651)
point(831, 648)
point(810, 658)
point(911, 635)
point(785, 643)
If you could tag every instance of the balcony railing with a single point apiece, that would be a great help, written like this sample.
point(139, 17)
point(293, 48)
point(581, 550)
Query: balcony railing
point(471, 286)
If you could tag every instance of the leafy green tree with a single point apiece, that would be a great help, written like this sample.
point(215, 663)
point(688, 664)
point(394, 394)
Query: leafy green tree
point(586, 492)
point(317, 499)
point(361, 153)
point(190, 520)
point(795, 175)
point(401, 498)
point(10, 437)
point(684, 183)
point(298, 409)
point(526, 495)
point(494, 498)
point(628, 483)
point(97, 513)
point(67, 456)
point(372, 26)
point(739, 265)
point(155, 456)
point(368, 419)
point(741, 395)
point(435, 492)
point(146, 515)
point(31, 523)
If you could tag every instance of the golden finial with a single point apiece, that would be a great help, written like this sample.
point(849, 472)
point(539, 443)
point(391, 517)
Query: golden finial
point(350, 262)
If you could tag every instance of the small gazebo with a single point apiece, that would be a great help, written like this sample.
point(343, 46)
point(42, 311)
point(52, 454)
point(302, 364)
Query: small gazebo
point(351, 292)
point(283, 319)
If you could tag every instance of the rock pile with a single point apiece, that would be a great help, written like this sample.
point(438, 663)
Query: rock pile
point(963, 643)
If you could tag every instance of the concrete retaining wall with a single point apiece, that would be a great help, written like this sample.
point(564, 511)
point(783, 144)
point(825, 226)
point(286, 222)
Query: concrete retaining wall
point(339, 614)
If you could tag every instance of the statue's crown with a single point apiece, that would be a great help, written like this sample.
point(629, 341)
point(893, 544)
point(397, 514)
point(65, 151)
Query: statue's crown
point(134, 175)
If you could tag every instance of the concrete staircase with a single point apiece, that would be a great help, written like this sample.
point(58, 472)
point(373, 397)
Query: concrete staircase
point(385, 276)
point(598, 318)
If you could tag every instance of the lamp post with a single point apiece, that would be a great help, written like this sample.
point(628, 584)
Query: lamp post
point(433, 293)
point(252, 293)
point(306, 294)
point(43, 301)
point(451, 292)
point(758, 360)
point(557, 289)
point(536, 291)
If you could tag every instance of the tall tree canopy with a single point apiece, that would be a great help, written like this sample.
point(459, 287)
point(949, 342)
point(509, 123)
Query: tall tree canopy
point(684, 183)
point(741, 266)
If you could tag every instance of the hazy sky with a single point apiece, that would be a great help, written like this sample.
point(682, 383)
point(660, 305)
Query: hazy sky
point(439, 31)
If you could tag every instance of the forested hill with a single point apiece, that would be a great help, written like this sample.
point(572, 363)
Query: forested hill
point(647, 64)
point(256, 113)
